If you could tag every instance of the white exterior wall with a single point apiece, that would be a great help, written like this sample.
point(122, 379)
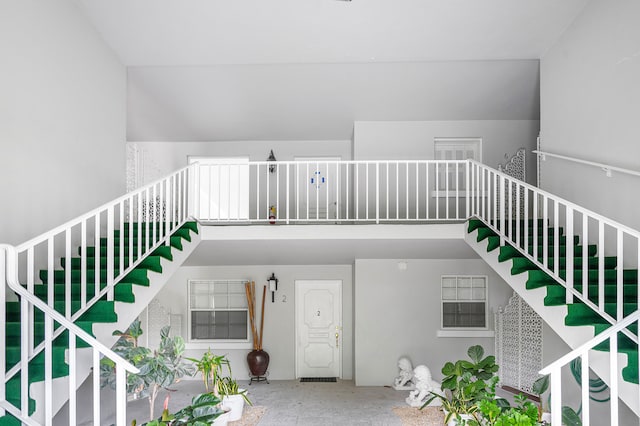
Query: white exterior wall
point(279, 325)
point(590, 100)
point(397, 313)
point(62, 118)
point(413, 140)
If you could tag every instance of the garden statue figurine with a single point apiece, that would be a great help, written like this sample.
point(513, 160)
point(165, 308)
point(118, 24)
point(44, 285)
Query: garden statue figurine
point(404, 381)
point(424, 386)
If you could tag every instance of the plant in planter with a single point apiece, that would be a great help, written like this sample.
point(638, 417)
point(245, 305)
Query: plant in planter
point(258, 359)
point(233, 397)
point(465, 384)
point(498, 412)
point(210, 366)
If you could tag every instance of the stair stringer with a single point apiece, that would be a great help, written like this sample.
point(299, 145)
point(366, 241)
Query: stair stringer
point(554, 316)
point(103, 332)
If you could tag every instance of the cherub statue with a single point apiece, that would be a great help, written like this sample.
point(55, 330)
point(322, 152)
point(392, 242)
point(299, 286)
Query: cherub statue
point(404, 381)
point(424, 386)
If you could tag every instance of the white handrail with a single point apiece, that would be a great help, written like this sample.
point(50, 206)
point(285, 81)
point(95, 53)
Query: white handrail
point(9, 261)
point(605, 167)
point(582, 352)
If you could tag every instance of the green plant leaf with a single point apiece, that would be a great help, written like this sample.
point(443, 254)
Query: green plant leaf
point(570, 417)
point(448, 369)
point(541, 385)
point(475, 353)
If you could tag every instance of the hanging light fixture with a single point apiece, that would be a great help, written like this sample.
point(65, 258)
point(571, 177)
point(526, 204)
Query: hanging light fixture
point(273, 286)
point(272, 158)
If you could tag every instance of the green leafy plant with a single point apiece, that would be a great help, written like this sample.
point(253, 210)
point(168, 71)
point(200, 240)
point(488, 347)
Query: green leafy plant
point(569, 415)
point(498, 412)
point(204, 409)
point(159, 369)
point(228, 386)
point(466, 383)
point(210, 366)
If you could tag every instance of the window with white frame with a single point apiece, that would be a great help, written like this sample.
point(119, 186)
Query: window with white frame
point(218, 311)
point(464, 302)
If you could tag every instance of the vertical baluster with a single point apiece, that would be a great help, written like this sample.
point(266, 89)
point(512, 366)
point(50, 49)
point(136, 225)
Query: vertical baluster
point(387, 189)
point(619, 275)
point(569, 254)
point(131, 222)
point(446, 190)
point(501, 210)
point(67, 273)
point(141, 235)
point(30, 289)
point(545, 231)
point(467, 166)
point(556, 238)
point(397, 190)
point(357, 189)
point(257, 191)
point(83, 264)
point(121, 395)
point(510, 212)
point(48, 370)
point(297, 216)
point(366, 190)
point(584, 379)
point(481, 195)
point(308, 189)
point(518, 227)
point(51, 281)
point(217, 187)
point(338, 192)
point(427, 195)
point(153, 217)
point(147, 219)
point(98, 253)
point(278, 194)
point(287, 195)
point(72, 378)
point(437, 183)
point(601, 266)
point(417, 200)
point(348, 168)
point(585, 256)
point(526, 220)
point(556, 396)
point(96, 387)
point(406, 191)
point(535, 226)
point(240, 195)
point(26, 349)
point(110, 252)
point(613, 375)
point(457, 174)
point(377, 192)
point(121, 227)
point(168, 210)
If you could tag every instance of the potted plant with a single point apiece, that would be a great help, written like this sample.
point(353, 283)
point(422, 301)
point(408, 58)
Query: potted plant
point(233, 397)
point(258, 358)
point(465, 384)
point(210, 366)
point(569, 415)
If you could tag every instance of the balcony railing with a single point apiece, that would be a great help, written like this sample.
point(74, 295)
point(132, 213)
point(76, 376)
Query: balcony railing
point(331, 191)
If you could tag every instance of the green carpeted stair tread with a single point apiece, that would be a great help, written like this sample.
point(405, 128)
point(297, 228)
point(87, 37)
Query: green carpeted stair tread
point(538, 278)
point(581, 314)
point(13, 332)
point(174, 241)
point(151, 262)
point(508, 251)
point(192, 226)
point(522, 264)
point(556, 293)
point(123, 292)
point(9, 420)
point(13, 392)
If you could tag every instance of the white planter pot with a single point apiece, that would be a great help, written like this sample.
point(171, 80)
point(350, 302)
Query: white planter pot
point(222, 420)
point(454, 420)
point(235, 403)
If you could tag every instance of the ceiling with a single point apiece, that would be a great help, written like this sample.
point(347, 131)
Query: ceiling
point(215, 32)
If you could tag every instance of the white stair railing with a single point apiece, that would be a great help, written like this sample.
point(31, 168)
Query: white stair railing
point(145, 219)
point(29, 303)
point(497, 200)
point(611, 336)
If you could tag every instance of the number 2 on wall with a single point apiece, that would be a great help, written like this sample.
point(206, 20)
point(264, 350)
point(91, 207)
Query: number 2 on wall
point(318, 313)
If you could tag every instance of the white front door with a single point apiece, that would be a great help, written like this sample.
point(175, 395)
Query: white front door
point(316, 189)
point(318, 328)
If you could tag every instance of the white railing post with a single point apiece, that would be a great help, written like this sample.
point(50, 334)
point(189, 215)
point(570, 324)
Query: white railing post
point(377, 192)
point(569, 262)
point(110, 252)
point(3, 331)
point(556, 397)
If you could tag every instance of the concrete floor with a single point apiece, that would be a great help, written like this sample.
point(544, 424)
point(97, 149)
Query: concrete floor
point(290, 402)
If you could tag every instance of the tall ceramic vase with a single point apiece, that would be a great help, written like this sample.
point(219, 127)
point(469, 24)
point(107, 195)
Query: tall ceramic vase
point(258, 361)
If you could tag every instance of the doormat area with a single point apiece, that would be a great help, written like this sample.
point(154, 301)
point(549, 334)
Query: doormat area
point(317, 380)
